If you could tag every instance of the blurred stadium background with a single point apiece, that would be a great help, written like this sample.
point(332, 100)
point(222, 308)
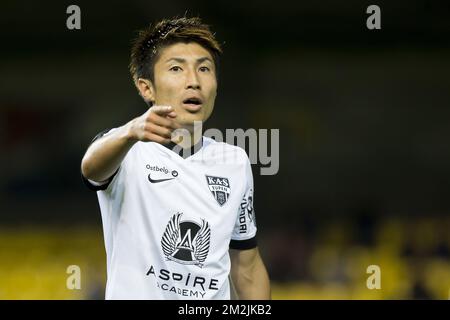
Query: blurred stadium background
point(364, 119)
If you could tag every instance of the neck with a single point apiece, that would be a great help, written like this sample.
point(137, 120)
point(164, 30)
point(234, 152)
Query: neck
point(189, 135)
point(187, 141)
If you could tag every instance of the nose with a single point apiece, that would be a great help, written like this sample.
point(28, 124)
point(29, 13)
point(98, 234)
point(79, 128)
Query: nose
point(192, 81)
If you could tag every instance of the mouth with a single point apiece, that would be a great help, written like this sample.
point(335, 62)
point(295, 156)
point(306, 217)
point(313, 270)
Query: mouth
point(192, 104)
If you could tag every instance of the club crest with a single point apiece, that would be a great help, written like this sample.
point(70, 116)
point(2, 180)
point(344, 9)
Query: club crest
point(220, 188)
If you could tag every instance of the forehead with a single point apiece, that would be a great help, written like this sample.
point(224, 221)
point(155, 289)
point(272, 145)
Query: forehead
point(188, 51)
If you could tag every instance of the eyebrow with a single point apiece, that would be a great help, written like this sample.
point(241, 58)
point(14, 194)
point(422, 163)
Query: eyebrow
point(182, 60)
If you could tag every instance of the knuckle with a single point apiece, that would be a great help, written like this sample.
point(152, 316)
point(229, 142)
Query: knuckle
point(150, 117)
point(150, 137)
point(147, 127)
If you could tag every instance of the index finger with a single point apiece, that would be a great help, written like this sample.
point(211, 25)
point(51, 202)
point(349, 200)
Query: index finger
point(161, 110)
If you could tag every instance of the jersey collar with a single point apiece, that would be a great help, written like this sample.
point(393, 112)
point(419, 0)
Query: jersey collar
point(185, 152)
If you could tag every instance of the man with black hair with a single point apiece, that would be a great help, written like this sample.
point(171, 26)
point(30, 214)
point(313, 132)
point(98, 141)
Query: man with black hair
point(177, 207)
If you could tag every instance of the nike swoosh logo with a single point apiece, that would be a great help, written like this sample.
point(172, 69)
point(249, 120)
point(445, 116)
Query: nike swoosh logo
point(159, 180)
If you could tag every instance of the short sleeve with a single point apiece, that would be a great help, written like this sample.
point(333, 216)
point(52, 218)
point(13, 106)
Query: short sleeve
point(103, 185)
point(244, 232)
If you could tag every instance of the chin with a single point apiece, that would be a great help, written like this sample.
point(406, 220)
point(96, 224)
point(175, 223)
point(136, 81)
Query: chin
point(191, 118)
point(188, 124)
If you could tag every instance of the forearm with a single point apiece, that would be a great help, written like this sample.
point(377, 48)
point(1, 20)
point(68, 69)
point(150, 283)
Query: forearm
point(252, 282)
point(104, 156)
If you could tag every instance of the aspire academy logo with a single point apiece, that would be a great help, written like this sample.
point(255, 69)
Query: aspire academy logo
point(186, 242)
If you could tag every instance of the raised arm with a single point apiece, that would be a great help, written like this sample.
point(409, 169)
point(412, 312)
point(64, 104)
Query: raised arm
point(104, 156)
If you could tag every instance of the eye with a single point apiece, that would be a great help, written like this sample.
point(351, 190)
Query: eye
point(175, 69)
point(204, 69)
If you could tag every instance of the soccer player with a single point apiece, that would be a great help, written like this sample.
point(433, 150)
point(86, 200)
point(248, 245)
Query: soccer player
point(177, 224)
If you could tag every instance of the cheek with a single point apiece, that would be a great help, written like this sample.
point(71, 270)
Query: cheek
point(210, 108)
point(166, 90)
point(213, 91)
point(212, 98)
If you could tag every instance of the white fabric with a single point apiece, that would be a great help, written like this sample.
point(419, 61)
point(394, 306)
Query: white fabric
point(170, 239)
point(97, 184)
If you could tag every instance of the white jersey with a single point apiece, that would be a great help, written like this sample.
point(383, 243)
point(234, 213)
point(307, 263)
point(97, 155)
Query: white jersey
point(169, 221)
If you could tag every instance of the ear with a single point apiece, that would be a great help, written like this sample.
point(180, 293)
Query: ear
point(146, 89)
